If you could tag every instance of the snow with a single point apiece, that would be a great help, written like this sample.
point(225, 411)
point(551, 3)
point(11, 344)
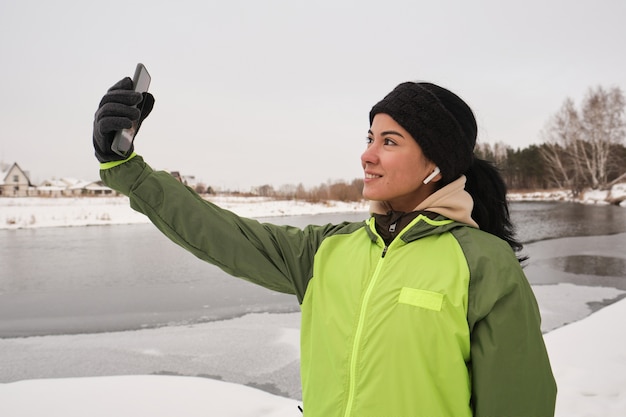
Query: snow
point(140, 395)
point(34, 212)
point(589, 362)
point(601, 197)
point(588, 356)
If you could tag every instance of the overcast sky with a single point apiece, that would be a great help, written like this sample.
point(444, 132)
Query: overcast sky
point(278, 92)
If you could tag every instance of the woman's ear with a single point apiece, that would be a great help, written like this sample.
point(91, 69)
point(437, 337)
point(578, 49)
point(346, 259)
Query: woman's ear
point(432, 175)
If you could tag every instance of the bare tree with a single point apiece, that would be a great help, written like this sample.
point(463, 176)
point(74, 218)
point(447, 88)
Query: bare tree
point(578, 144)
point(603, 126)
point(561, 131)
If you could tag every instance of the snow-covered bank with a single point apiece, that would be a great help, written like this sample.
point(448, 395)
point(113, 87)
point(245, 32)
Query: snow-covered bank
point(587, 358)
point(589, 363)
point(33, 212)
point(617, 193)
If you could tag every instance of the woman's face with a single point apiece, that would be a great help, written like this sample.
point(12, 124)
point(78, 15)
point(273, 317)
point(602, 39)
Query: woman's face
point(395, 167)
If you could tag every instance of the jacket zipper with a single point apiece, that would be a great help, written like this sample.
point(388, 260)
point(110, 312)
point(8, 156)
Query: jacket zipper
point(359, 333)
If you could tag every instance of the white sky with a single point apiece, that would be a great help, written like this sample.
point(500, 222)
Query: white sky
point(278, 92)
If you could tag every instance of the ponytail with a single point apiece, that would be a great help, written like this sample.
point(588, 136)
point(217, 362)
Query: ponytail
point(491, 210)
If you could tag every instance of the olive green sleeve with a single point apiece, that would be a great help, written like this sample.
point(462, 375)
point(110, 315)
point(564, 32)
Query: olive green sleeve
point(511, 372)
point(277, 257)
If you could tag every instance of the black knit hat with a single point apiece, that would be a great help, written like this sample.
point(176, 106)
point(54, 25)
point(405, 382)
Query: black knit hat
point(439, 121)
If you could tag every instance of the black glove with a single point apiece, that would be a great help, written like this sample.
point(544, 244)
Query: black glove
point(118, 109)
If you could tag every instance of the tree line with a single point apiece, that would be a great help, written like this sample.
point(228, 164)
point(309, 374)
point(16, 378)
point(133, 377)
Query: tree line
point(582, 147)
point(328, 191)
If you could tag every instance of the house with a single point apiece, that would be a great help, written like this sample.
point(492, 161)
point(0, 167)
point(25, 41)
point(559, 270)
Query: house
point(93, 189)
point(14, 182)
point(52, 188)
point(70, 187)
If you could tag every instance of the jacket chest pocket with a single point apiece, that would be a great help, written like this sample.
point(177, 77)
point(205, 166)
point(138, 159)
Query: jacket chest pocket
point(429, 300)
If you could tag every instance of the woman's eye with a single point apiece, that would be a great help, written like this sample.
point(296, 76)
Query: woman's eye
point(369, 140)
point(389, 142)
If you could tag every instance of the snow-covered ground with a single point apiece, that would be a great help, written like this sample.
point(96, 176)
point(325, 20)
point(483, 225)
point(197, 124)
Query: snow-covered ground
point(36, 212)
point(588, 356)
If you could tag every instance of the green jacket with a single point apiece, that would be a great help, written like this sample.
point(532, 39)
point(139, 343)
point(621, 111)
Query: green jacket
point(442, 322)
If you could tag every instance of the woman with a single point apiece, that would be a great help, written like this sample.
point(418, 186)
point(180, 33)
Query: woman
point(422, 310)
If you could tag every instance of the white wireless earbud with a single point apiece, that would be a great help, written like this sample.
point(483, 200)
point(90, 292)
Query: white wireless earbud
point(432, 175)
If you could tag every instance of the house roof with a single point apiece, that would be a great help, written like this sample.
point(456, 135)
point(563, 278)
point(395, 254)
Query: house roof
point(6, 168)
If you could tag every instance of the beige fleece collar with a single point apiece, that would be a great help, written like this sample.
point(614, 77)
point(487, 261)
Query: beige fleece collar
point(451, 201)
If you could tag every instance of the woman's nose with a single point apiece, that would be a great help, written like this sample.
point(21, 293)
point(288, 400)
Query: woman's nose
point(370, 155)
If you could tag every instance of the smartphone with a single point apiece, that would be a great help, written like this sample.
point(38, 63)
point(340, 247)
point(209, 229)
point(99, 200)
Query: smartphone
point(124, 138)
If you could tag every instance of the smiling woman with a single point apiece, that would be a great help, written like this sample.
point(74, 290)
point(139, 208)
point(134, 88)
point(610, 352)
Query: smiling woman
point(395, 166)
point(423, 309)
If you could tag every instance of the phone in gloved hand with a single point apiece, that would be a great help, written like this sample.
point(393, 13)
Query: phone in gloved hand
point(123, 140)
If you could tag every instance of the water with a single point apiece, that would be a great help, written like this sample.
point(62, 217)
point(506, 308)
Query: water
point(547, 220)
point(110, 278)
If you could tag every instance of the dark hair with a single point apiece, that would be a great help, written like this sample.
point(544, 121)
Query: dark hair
point(445, 128)
point(491, 209)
